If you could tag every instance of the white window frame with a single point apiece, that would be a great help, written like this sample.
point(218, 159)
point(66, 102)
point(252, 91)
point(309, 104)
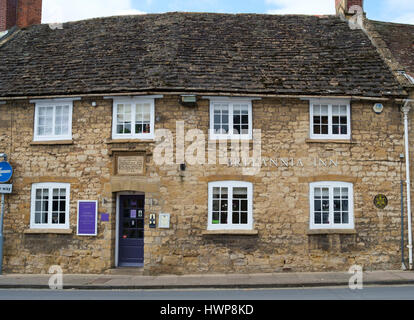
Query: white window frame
point(331, 185)
point(53, 103)
point(50, 225)
point(330, 135)
point(133, 101)
point(230, 185)
point(231, 102)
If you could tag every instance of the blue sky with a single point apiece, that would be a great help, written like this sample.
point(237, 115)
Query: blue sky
point(62, 10)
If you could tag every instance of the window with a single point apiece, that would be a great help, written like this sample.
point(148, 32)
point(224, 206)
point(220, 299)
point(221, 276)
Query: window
point(330, 119)
point(230, 118)
point(50, 206)
point(53, 120)
point(230, 206)
point(331, 205)
point(133, 118)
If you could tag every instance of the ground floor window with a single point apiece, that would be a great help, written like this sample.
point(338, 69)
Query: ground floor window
point(331, 205)
point(50, 206)
point(230, 205)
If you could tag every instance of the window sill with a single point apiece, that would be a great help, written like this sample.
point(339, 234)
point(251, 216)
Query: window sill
point(331, 231)
point(337, 141)
point(230, 232)
point(51, 143)
point(115, 141)
point(48, 231)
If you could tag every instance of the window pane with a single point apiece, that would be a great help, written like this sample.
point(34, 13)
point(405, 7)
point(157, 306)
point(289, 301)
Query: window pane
point(337, 217)
point(236, 218)
point(244, 218)
point(345, 217)
point(325, 216)
point(216, 218)
point(240, 193)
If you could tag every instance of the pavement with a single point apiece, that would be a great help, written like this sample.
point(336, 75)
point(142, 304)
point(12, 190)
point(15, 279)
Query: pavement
point(269, 280)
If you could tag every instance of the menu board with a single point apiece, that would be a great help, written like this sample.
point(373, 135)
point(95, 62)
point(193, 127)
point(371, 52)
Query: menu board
point(88, 218)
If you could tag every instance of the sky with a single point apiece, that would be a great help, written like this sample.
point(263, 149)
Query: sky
point(401, 11)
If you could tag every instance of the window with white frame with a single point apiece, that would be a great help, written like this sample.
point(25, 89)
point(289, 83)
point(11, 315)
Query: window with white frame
point(231, 118)
point(50, 206)
point(230, 205)
point(133, 118)
point(53, 120)
point(331, 205)
point(330, 119)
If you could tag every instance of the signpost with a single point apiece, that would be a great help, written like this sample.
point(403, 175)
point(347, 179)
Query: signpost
point(6, 172)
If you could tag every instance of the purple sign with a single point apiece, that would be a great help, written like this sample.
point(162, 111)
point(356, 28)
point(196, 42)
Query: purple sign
point(87, 218)
point(105, 217)
point(133, 214)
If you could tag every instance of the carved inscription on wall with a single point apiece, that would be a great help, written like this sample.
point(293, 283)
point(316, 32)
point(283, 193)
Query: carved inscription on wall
point(131, 165)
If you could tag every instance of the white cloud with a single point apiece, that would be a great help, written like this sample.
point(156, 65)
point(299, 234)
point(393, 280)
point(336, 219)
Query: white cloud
point(63, 10)
point(302, 6)
point(401, 11)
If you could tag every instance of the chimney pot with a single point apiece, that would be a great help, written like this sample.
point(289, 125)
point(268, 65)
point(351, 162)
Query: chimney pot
point(343, 7)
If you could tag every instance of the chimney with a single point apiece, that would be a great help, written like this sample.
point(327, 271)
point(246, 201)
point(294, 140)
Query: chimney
point(21, 13)
point(343, 7)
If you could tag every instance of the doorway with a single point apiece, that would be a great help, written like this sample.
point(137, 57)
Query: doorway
point(131, 214)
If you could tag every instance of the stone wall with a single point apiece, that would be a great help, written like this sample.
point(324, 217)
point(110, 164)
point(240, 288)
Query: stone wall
point(280, 194)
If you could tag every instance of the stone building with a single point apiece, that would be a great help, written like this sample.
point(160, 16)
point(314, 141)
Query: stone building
point(202, 143)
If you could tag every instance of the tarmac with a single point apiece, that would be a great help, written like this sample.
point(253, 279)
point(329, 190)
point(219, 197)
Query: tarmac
point(130, 281)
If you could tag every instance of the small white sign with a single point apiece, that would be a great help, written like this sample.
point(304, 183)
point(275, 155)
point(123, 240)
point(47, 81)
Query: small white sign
point(164, 221)
point(6, 188)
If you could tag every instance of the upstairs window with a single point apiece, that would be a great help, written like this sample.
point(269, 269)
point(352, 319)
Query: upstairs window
point(330, 119)
point(53, 120)
point(133, 118)
point(230, 118)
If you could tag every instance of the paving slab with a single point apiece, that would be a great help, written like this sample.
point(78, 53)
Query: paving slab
point(270, 280)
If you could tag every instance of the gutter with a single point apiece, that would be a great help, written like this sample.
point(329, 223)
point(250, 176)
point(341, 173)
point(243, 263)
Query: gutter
point(406, 109)
point(203, 93)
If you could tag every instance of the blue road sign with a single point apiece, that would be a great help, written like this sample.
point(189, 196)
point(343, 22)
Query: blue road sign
point(6, 172)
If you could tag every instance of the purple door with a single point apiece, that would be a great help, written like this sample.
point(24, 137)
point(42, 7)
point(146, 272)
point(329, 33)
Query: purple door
point(131, 231)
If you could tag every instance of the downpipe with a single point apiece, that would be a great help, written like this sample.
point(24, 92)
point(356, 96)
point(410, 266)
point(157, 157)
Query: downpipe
point(406, 109)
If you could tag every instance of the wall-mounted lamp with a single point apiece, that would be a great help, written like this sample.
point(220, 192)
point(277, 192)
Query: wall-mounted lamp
point(183, 167)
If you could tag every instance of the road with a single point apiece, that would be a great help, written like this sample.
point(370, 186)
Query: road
point(332, 293)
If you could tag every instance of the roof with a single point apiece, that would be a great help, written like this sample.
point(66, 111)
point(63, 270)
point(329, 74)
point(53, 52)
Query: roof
point(399, 38)
point(195, 52)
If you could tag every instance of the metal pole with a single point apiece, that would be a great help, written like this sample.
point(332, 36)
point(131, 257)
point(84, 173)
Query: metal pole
point(1, 233)
point(403, 267)
point(406, 110)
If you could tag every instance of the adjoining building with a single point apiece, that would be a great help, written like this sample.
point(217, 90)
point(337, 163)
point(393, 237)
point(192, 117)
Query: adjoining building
point(129, 137)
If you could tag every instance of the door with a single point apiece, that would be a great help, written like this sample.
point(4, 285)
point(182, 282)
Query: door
point(131, 231)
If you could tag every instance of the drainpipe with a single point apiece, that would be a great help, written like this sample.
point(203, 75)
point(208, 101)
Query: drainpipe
point(406, 109)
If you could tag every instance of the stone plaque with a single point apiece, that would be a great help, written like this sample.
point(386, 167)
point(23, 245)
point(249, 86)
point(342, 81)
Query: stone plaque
point(130, 165)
